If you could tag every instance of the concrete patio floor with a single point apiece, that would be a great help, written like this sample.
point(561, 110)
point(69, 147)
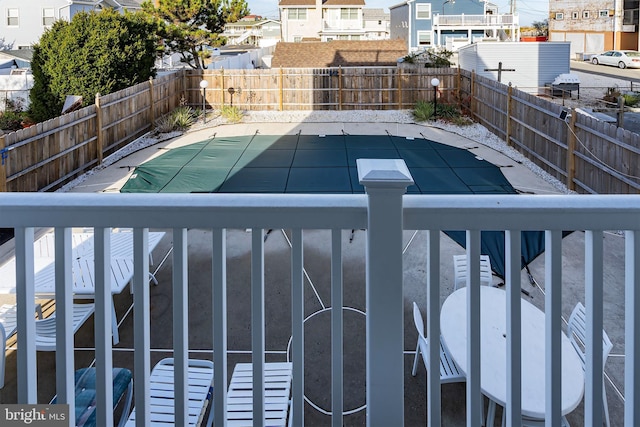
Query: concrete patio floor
point(317, 290)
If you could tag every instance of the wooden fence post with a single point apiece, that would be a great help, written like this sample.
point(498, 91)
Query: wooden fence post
point(472, 95)
point(508, 124)
point(99, 135)
point(152, 108)
point(399, 88)
point(221, 87)
point(571, 148)
point(3, 170)
point(281, 90)
point(458, 83)
point(340, 88)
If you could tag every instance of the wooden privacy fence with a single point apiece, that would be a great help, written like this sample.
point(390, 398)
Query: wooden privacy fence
point(588, 155)
point(47, 155)
point(341, 88)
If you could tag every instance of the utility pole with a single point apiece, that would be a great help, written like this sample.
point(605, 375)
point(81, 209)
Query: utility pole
point(513, 7)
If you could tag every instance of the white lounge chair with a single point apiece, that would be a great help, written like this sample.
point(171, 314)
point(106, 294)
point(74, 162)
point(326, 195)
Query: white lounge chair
point(460, 271)
point(45, 328)
point(577, 331)
point(162, 393)
point(277, 384)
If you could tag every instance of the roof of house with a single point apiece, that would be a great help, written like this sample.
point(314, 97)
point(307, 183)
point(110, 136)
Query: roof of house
point(374, 14)
point(324, 3)
point(352, 53)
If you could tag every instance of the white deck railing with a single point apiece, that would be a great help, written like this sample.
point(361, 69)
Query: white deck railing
point(474, 20)
point(384, 212)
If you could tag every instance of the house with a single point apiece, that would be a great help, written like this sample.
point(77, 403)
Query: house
point(324, 20)
point(257, 32)
point(375, 23)
point(338, 53)
point(594, 26)
point(22, 23)
point(446, 23)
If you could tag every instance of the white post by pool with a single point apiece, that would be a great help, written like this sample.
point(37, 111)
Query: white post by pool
point(385, 182)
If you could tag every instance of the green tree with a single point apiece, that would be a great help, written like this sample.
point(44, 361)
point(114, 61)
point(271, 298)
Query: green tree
point(190, 27)
point(541, 27)
point(97, 52)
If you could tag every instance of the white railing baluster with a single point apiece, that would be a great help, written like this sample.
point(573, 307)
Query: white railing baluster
point(103, 329)
point(553, 325)
point(632, 329)
point(513, 266)
point(297, 325)
point(25, 299)
point(593, 300)
point(180, 325)
point(219, 304)
point(337, 403)
point(64, 318)
point(141, 330)
point(257, 324)
point(434, 396)
point(474, 396)
point(385, 182)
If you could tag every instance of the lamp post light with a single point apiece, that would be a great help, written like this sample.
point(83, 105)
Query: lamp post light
point(435, 82)
point(203, 85)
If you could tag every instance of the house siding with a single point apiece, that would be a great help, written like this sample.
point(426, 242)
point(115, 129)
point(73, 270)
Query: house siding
point(535, 64)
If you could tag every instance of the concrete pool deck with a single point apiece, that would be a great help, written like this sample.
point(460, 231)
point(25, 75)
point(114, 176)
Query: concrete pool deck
point(317, 291)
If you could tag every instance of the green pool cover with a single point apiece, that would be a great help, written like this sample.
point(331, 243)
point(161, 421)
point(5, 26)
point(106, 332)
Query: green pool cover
point(327, 164)
point(311, 164)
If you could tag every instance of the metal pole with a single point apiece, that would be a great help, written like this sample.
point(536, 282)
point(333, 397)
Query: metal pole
point(435, 102)
point(204, 111)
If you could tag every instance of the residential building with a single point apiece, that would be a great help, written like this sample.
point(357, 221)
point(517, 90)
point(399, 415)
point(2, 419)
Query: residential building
point(595, 26)
point(446, 23)
point(22, 23)
point(254, 31)
point(322, 20)
point(375, 23)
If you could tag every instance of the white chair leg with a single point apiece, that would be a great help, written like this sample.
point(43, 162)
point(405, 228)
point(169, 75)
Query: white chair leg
point(605, 405)
point(491, 413)
point(415, 359)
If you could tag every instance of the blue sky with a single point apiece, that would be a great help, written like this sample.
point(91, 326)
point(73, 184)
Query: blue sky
point(529, 10)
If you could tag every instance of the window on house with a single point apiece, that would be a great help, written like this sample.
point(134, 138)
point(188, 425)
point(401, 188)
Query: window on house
point(13, 18)
point(348, 14)
point(574, 15)
point(423, 11)
point(297, 39)
point(297, 14)
point(559, 16)
point(604, 13)
point(355, 37)
point(585, 14)
point(48, 16)
point(424, 38)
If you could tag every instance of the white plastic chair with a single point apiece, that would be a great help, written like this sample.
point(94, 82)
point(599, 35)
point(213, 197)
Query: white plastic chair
point(45, 328)
point(460, 271)
point(162, 393)
point(577, 331)
point(449, 371)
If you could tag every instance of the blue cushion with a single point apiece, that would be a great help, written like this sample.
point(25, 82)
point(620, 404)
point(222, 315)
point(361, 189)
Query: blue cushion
point(85, 380)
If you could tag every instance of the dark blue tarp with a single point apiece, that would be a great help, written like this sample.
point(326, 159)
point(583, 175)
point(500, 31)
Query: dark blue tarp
point(315, 164)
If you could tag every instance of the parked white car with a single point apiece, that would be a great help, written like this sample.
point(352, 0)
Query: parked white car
point(618, 58)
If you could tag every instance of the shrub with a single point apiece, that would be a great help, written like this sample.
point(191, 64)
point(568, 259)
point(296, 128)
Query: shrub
point(232, 114)
point(423, 111)
point(11, 120)
point(181, 118)
point(630, 99)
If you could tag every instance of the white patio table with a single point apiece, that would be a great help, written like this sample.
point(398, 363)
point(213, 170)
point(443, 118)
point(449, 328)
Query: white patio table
point(493, 349)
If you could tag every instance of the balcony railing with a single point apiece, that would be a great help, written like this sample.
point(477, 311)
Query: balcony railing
point(478, 21)
point(384, 212)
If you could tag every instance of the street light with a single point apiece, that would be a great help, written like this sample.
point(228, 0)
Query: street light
point(435, 82)
point(447, 1)
point(203, 85)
